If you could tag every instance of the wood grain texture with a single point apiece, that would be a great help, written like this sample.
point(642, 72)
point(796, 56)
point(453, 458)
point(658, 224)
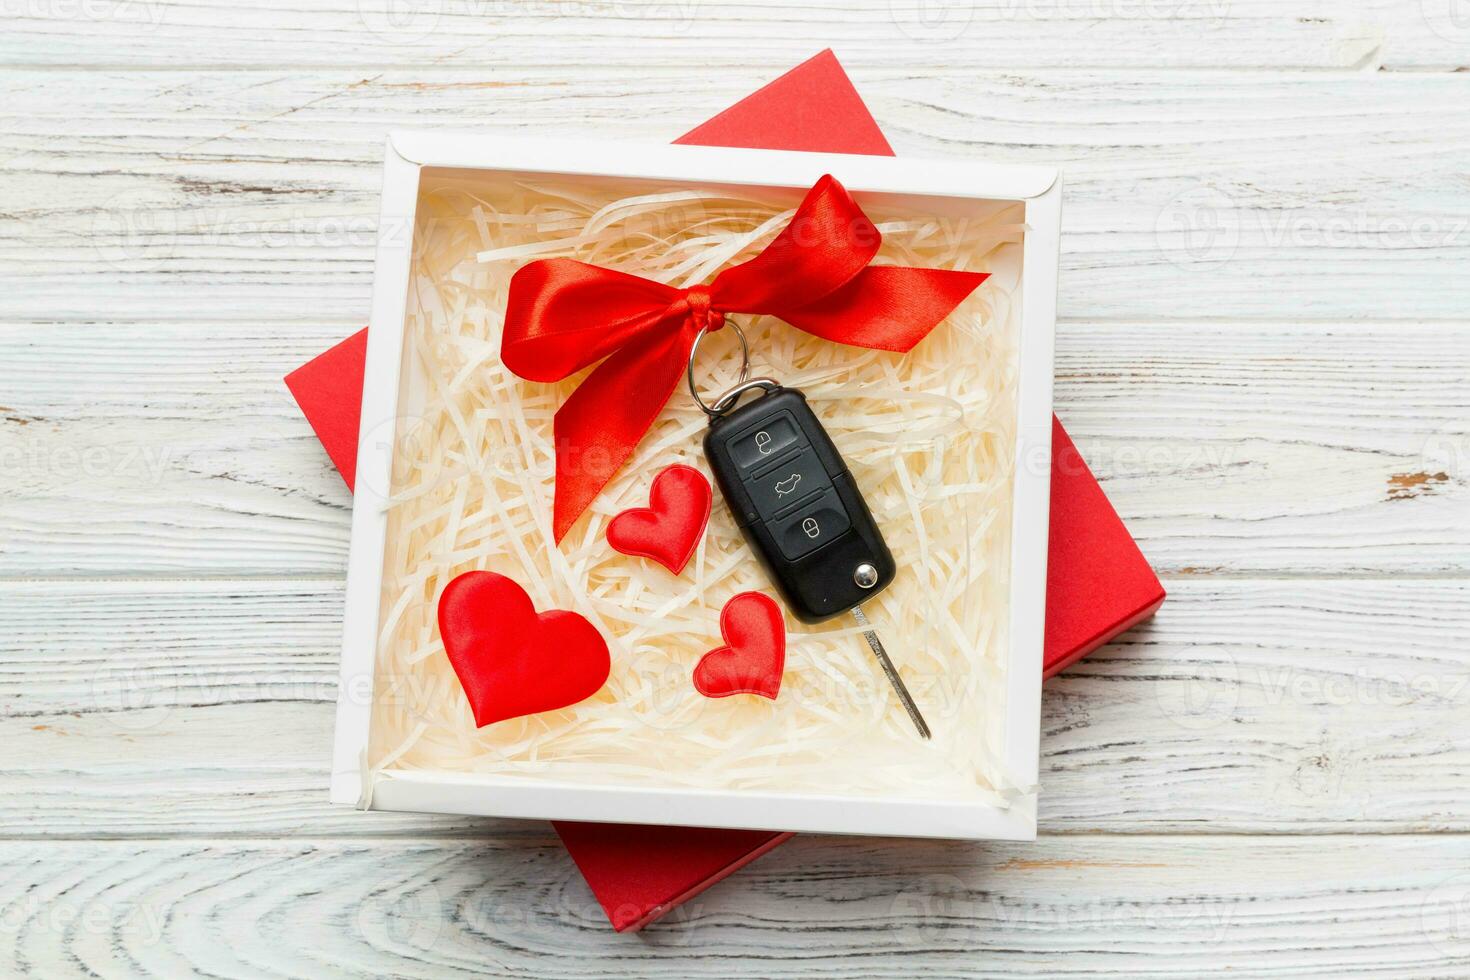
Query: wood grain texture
point(158, 195)
point(757, 37)
point(1240, 448)
point(816, 907)
point(1263, 355)
point(205, 709)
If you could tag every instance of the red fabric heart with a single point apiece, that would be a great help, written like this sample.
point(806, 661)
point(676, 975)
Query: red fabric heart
point(512, 661)
point(668, 530)
point(755, 657)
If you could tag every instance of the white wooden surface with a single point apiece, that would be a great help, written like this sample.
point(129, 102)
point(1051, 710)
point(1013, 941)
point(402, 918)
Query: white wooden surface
point(1265, 353)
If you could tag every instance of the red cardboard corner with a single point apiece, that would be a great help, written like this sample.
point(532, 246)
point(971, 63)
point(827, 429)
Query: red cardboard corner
point(1098, 583)
point(329, 390)
point(634, 889)
point(813, 107)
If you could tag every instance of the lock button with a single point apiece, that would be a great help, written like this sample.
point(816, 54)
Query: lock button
point(765, 443)
point(810, 527)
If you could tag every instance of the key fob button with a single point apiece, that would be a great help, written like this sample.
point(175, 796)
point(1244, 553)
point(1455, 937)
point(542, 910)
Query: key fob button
point(787, 483)
point(763, 444)
point(812, 526)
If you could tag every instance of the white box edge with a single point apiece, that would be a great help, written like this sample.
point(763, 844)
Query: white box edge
point(361, 613)
point(406, 154)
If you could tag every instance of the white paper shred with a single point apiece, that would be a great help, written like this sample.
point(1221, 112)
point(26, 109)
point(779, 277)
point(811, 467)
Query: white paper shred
point(929, 436)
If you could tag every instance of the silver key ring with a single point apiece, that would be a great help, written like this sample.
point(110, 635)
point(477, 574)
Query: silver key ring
point(720, 406)
point(727, 401)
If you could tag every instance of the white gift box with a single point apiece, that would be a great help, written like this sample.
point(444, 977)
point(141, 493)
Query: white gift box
point(392, 391)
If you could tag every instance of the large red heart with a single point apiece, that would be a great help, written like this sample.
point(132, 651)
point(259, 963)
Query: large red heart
point(755, 655)
point(667, 530)
point(511, 661)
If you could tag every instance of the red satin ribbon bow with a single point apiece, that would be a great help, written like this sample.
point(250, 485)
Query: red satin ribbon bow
point(563, 315)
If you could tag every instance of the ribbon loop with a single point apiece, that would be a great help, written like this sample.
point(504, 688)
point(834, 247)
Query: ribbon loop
point(563, 315)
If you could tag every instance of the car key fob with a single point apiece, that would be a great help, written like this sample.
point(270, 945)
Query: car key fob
point(797, 505)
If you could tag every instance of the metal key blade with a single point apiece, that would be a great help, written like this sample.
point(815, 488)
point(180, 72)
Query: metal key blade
point(891, 672)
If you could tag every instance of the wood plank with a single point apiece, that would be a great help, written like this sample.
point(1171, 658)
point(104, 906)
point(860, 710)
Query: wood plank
point(156, 195)
point(1422, 35)
point(186, 454)
point(1298, 449)
point(175, 237)
point(760, 36)
point(1286, 706)
point(1235, 448)
point(163, 707)
point(817, 907)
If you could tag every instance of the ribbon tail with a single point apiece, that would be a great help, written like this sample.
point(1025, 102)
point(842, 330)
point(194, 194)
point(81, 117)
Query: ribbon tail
point(885, 307)
point(603, 421)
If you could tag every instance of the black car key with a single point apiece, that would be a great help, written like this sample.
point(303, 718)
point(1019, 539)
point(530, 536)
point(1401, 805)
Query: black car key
point(798, 508)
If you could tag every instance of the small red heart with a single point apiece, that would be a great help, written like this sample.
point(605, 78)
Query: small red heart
point(668, 530)
point(752, 663)
point(512, 661)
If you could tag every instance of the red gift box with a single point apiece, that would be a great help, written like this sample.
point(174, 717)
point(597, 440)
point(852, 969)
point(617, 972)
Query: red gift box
point(1098, 582)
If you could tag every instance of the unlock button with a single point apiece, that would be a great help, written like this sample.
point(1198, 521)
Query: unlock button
point(810, 527)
